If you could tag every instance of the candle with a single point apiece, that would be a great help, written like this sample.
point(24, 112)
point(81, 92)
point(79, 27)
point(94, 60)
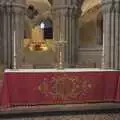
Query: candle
point(14, 52)
point(60, 57)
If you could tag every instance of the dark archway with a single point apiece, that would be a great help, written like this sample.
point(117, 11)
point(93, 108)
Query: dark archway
point(47, 27)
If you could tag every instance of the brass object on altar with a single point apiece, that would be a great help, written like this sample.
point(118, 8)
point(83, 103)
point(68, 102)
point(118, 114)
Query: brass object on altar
point(38, 46)
point(36, 43)
point(60, 53)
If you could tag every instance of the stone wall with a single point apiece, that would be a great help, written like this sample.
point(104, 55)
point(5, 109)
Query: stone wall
point(90, 57)
point(90, 50)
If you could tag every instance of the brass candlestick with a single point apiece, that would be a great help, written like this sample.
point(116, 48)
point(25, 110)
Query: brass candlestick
point(60, 47)
point(14, 50)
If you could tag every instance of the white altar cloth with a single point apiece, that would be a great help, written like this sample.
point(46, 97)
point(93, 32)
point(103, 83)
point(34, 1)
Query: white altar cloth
point(59, 70)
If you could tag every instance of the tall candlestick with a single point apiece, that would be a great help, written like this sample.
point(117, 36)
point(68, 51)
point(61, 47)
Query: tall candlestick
point(60, 57)
point(60, 47)
point(103, 52)
point(14, 52)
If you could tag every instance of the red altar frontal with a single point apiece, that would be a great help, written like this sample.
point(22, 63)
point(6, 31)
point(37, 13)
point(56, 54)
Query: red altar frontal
point(50, 87)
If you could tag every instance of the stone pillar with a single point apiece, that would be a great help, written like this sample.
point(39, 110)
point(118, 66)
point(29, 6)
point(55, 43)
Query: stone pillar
point(111, 33)
point(1, 31)
point(65, 22)
point(13, 20)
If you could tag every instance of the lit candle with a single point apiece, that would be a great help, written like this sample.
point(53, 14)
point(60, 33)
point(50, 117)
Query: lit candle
point(14, 52)
point(60, 57)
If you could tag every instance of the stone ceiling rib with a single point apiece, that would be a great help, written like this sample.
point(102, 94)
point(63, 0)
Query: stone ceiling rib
point(88, 4)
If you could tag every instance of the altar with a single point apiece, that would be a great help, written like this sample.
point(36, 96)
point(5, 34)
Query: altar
point(33, 87)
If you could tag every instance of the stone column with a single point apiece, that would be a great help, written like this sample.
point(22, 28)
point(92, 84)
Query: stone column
point(65, 22)
point(1, 31)
point(111, 31)
point(13, 20)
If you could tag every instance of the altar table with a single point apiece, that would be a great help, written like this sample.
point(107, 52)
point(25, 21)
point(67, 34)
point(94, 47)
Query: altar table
point(51, 87)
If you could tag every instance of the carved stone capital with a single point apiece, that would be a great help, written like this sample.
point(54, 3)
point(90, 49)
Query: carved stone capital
point(110, 6)
point(16, 8)
point(69, 9)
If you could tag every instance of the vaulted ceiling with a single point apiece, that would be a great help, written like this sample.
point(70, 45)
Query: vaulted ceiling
point(41, 5)
point(87, 4)
point(44, 6)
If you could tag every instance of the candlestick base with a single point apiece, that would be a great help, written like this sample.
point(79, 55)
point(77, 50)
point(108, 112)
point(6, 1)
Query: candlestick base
point(60, 67)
